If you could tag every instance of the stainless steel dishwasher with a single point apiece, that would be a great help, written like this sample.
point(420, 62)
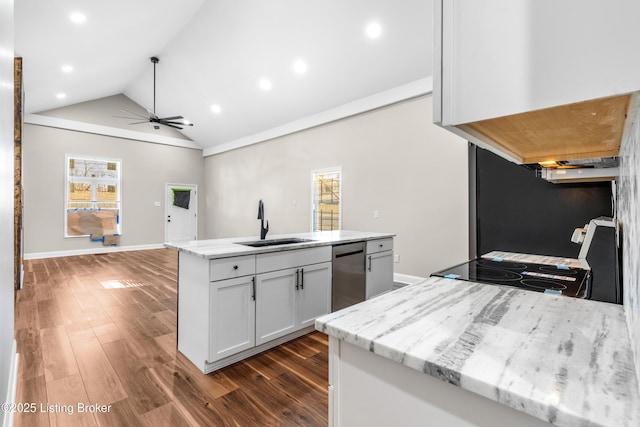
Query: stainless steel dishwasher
point(348, 285)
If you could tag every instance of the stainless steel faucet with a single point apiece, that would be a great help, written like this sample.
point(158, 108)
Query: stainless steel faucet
point(263, 230)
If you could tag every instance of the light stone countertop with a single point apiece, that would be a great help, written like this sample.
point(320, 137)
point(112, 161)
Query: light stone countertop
point(565, 360)
point(223, 248)
point(538, 259)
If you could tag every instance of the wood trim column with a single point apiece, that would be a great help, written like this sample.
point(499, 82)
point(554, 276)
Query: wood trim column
point(17, 135)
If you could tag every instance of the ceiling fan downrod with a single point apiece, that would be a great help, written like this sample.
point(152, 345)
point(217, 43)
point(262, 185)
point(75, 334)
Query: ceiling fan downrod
point(154, 60)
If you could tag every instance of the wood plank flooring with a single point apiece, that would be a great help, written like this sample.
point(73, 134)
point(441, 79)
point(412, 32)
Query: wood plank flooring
point(101, 329)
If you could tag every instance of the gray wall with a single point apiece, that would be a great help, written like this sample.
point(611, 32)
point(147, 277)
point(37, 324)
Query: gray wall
point(146, 167)
point(394, 160)
point(6, 196)
point(104, 112)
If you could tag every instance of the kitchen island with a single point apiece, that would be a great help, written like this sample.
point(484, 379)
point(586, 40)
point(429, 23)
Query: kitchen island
point(447, 352)
point(240, 296)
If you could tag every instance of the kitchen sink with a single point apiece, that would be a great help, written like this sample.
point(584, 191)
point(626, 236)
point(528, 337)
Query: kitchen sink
point(274, 242)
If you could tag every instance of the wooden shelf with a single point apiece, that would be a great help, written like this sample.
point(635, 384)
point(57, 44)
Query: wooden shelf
point(588, 129)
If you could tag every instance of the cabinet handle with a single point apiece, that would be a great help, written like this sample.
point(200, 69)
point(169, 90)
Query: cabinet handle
point(253, 288)
point(302, 278)
point(297, 279)
point(369, 268)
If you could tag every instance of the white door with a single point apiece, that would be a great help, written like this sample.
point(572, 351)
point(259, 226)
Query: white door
point(181, 223)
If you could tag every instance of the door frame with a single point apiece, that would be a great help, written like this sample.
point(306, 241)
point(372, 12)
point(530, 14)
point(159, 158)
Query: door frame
point(167, 204)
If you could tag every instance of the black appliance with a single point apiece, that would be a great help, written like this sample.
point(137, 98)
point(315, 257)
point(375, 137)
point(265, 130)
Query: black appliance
point(550, 279)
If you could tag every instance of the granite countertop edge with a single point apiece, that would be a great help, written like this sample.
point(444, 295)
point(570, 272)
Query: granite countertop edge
point(476, 325)
point(229, 247)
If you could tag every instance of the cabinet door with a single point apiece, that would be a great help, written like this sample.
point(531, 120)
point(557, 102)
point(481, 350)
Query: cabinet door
point(232, 317)
point(275, 304)
point(379, 273)
point(313, 295)
point(501, 57)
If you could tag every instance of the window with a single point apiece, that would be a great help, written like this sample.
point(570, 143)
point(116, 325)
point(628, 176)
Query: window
point(326, 199)
point(93, 205)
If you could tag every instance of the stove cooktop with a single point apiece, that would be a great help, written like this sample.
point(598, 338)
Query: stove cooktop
point(559, 280)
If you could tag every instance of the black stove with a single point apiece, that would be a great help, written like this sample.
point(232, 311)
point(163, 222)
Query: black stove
point(551, 279)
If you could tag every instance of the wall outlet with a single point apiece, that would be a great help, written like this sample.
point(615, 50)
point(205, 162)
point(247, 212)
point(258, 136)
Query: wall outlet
point(396, 258)
point(376, 214)
point(156, 204)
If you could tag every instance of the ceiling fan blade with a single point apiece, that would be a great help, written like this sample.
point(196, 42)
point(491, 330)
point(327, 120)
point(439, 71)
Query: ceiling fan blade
point(137, 123)
point(175, 123)
point(171, 118)
point(171, 126)
point(135, 114)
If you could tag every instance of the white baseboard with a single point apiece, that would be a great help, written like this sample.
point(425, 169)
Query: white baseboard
point(400, 279)
point(12, 387)
point(92, 251)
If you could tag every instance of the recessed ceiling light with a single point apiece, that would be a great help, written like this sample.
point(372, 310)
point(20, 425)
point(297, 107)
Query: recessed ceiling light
point(216, 108)
point(66, 68)
point(61, 95)
point(373, 30)
point(77, 17)
point(186, 122)
point(299, 66)
point(264, 84)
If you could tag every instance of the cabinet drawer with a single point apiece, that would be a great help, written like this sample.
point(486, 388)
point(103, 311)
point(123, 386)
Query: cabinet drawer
point(274, 261)
point(228, 268)
point(380, 245)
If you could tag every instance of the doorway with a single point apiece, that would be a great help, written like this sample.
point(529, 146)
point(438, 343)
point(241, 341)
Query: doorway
point(181, 212)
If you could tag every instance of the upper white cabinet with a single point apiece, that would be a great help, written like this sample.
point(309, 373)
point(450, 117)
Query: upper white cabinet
point(514, 75)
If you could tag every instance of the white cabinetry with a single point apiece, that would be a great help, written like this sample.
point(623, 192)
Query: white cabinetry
point(314, 295)
point(275, 308)
point(290, 299)
point(498, 58)
point(232, 308)
point(502, 57)
point(379, 267)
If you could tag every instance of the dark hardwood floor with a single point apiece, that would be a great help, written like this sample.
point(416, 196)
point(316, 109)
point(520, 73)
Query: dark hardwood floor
point(101, 329)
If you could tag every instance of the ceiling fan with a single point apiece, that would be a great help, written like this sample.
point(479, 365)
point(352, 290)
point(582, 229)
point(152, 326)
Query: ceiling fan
point(173, 122)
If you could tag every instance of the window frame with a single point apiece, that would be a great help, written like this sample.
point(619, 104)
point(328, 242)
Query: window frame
point(314, 173)
point(68, 180)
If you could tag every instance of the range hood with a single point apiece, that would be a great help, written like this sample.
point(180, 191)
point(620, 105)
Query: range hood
point(579, 170)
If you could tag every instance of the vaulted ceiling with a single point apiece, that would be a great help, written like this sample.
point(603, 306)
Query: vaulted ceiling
point(215, 54)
